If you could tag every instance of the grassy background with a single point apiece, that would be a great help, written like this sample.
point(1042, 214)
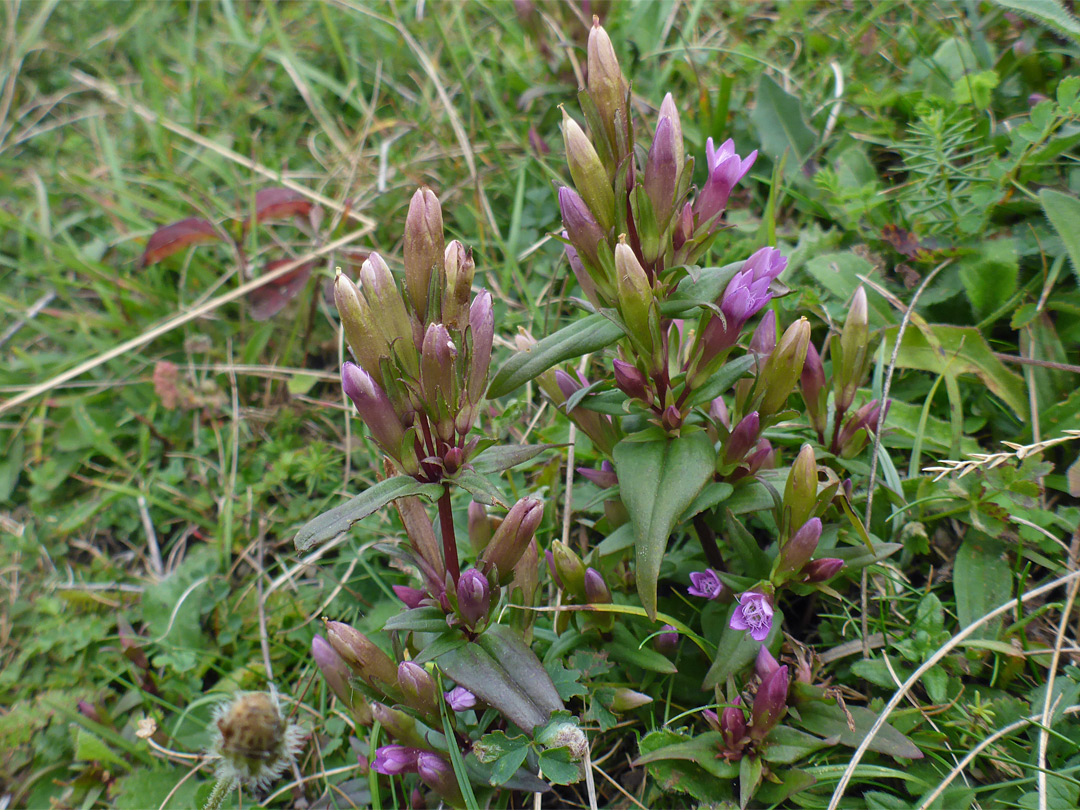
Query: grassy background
point(146, 556)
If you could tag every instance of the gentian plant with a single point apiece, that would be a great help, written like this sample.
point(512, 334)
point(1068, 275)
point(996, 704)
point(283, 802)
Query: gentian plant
point(690, 372)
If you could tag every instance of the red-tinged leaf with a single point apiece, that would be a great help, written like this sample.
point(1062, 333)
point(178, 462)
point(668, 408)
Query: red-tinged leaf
point(166, 241)
point(269, 299)
point(280, 203)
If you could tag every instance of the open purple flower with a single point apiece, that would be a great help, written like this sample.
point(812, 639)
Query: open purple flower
point(705, 584)
point(746, 294)
point(754, 613)
point(395, 759)
point(459, 698)
point(725, 170)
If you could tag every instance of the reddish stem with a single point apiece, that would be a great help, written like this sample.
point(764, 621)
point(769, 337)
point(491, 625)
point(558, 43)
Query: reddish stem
point(449, 539)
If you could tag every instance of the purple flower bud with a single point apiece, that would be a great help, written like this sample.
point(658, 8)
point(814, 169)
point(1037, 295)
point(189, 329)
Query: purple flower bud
point(460, 699)
point(742, 438)
point(765, 665)
point(630, 380)
point(763, 341)
point(705, 584)
point(667, 641)
point(762, 458)
point(822, 570)
point(590, 176)
point(551, 567)
point(374, 408)
point(437, 361)
point(684, 229)
point(857, 430)
point(89, 711)
point(725, 170)
point(718, 412)
point(567, 384)
point(626, 700)
point(671, 419)
point(812, 382)
point(418, 687)
point(754, 613)
point(669, 110)
point(424, 248)
point(588, 286)
point(395, 759)
point(474, 597)
point(596, 590)
point(712, 718)
point(482, 330)
point(333, 668)
point(412, 597)
point(770, 703)
point(512, 538)
point(581, 226)
point(437, 774)
point(662, 170)
point(604, 478)
point(635, 292)
point(797, 551)
point(850, 354)
point(733, 728)
point(399, 725)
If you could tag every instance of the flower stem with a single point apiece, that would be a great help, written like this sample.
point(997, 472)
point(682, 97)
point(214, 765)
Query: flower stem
point(449, 540)
point(222, 788)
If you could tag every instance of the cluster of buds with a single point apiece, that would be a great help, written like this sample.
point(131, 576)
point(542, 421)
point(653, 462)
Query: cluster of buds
point(580, 585)
point(851, 356)
point(737, 737)
point(433, 769)
point(422, 357)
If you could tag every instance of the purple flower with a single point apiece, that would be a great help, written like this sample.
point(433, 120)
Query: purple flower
point(474, 597)
point(725, 170)
point(668, 640)
point(754, 613)
point(746, 294)
point(705, 584)
point(395, 759)
point(459, 698)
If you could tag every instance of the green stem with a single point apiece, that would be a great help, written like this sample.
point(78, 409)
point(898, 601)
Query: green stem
point(222, 788)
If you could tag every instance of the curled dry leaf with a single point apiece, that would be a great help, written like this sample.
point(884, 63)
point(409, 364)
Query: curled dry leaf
point(269, 299)
point(167, 240)
point(279, 203)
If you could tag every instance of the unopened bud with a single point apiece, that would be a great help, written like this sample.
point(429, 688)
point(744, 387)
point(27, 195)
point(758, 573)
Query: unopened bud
point(797, 551)
point(671, 419)
point(770, 703)
point(667, 641)
point(662, 171)
point(606, 85)
point(784, 366)
point(625, 700)
point(412, 597)
point(474, 597)
point(582, 229)
point(635, 292)
point(604, 478)
point(365, 341)
point(762, 458)
point(812, 382)
point(630, 380)
point(424, 248)
point(418, 687)
point(570, 569)
point(482, 329)
point(800, 492)
point(388, 308)
point(588, 286)
point(438, 359)
point(459, 267)
point(718, 412)
point(822, 570)
point(374, 408)
point(436, 773)
point(479, 527)
point(596, 590)
point(333, 668)
point(399, 725)
point(850, 353)
point(763, 340)
point(733, 727)
point(364, 656)
point(512, 538)
point(742, 438)
point(590, 176)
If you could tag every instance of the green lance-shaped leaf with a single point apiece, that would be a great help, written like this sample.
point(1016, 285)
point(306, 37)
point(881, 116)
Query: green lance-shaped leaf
point(1063, 212)
point(340, 519)
point(832, 722)
point(658, 480)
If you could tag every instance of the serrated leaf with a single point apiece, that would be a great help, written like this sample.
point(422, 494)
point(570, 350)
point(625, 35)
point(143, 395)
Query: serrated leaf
point(506, 456)
point(982, 581)
point(590, 334)
point(498, 744)
point(341, 518)
point(91, 748)
point(1050, 13)
point(658, 480)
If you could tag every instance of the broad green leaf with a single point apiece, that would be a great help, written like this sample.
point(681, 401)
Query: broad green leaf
point(507, 765)
point(658, 480)
point(627, 649)
point(420, 620)
point(683, 775)
point(749, 496)
point(990, 274)
point(839, 274)
point(590, 334)
point(723, 379)
point(982, 581)
point(781, 125)
point(700, 750)
point(341, 518)
point(473, 667)
point(792, 781)
point(505, 456)
point(506, 646)
point(1063, 211)
point(558, 767)
point(785, 745)
point(960, 350)
point(714, 493)
point(830, 721)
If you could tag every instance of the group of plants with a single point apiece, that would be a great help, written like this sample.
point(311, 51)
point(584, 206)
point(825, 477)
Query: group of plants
point(675, 529)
